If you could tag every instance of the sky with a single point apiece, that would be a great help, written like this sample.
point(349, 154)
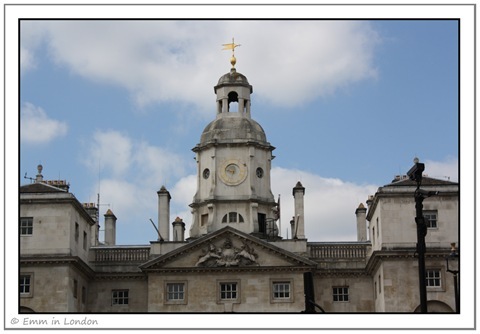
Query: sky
point(114, 107)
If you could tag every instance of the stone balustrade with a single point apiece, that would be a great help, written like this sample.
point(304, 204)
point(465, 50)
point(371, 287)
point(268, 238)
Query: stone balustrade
point(338, 251)
point(121, 254)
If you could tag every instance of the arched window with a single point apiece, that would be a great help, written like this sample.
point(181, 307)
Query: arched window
point(232, 217)
point(233, 97)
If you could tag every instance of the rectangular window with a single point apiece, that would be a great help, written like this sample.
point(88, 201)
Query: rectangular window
point(433, 278)
point(26, 226)
point(281, 290)
point(232, 217)
point(340, 294)
point(75, 288)
point(77, 231)
point(84, 240)
point(175, 291)
point(84, 295)
point(430, 218)
point(228, 291)
point(25, 284)
point(119, 297)
point(204, 220)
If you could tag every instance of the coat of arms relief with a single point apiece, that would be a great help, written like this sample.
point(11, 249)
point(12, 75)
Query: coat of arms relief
point(227, 255)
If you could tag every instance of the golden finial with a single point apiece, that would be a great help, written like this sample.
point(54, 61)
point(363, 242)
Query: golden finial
point(231, 46)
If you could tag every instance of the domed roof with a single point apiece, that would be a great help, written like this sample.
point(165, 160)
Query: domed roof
point(233, 78)
point(233, 129)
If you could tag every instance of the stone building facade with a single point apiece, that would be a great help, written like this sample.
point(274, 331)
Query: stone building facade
point(234, 259)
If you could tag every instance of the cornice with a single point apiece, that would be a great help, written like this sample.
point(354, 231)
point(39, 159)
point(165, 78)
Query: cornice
point(214, 270)
point(401, 254)
point(74, 261)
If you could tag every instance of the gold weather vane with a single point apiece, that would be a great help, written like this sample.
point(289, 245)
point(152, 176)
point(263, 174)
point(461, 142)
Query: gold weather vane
point(231, 46)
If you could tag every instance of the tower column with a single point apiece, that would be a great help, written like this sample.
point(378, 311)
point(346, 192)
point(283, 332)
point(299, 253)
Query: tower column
point(298, 195)
point(164, 213)
point(225, 104)
point(241, 105)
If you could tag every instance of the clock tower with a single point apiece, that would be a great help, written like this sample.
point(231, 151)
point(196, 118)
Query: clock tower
point(233, 166)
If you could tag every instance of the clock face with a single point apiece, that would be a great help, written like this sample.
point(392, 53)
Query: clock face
point(233, 172)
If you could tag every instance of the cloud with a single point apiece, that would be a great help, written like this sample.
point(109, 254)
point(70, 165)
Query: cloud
point(112, 151)
point(330, 204)
point(37, 128)
point(447, 169)
point(165, 61)
point(135, 171)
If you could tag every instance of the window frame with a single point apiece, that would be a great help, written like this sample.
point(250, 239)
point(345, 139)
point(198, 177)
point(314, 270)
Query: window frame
point(237, 291)
point(182, 301)
point(274, 283)
point(340, 294)
point(440, 278)
point(28, 294)
point(428, 221)
point(232, 217)
point(116, 297)
point(24, 229)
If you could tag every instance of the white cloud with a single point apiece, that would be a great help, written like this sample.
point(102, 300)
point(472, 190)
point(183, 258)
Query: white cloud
point(135, 171)
point(173, 60)
point(37, 128)
point(330, 204)
point(447, 170)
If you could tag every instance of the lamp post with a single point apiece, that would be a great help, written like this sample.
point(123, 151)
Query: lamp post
point(415, 174)
point(453, 267)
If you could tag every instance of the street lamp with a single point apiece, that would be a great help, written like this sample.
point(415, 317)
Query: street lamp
point(415, 174)
point(453, 267)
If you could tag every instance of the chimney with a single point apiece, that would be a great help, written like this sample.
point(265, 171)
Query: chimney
point(110, 222)
point(92, 210)
point(361, 214)
point(298, 194)
point(39, 177)
point(178, 230)
point(164, 213)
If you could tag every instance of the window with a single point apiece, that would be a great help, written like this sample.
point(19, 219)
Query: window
point(175, 292)
point(281, 291)
point(430, 218)
point(433, 278)
point(77, 232)
point(232, 217)
point(119, 297)
point(204, 220)
point(84, 240)
point(229, 291)
point(25, 285)
point(75, 288)
point(84, 295)
point(26, 226)
point(340, 294)
point(262, 223)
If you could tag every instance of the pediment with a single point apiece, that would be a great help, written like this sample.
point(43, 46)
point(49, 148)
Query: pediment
point(227, 248)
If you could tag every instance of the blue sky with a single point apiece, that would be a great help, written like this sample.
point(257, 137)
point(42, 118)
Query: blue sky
point(115, 107)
